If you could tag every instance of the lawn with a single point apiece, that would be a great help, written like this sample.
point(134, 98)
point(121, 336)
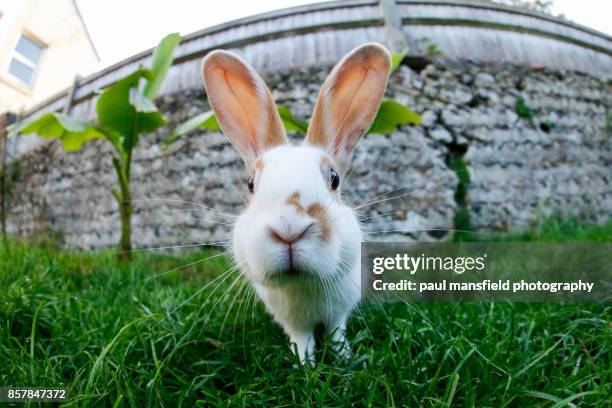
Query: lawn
point(144, 334)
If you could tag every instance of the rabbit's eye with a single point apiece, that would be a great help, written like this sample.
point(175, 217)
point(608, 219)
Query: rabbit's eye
point(334, 179)
point(251, 184)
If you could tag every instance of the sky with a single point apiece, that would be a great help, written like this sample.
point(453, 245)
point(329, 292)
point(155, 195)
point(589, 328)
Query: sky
point(140, 24)
point(591, 13)
point(121, 28)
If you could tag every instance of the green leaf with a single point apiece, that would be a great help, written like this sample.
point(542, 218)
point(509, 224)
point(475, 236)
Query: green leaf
point(206, 120)
point(397, 58)
point(392, 114)
point(291, 123)
point(70, 131)
point(160, 64)
point(140, 102)
point(523, 110)
point(125, 110)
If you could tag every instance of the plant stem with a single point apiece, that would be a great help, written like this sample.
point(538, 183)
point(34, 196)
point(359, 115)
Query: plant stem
point(3, 188)
point(124, 201)
point(124, 198)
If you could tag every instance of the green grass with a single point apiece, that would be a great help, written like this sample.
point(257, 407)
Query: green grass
point(115, 338)
point(568, 230)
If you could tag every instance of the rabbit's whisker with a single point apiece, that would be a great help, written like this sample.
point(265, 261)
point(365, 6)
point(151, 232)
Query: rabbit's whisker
point(188, 235)
point(245, 293)
point(377, 216)
point(212, 244)
point(223, 278)
point(231, 306)
point(185, 266)
point(374, 200)
point(212, 221)
point(248, 305)
point(244, 301)
point(219, 300)
point(363, 316)
point(419, 312)
point(201, 206)
point(242, 197)
point(378, 302)
point(427, 229)
point(182, 341)
point(428, 180)
point(194, 218)
point(253, 309)
point(369, 203)
point(327, 297)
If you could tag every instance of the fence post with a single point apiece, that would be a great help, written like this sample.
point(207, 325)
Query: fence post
point(397, 40)
point(6, 119)
point(70, 96)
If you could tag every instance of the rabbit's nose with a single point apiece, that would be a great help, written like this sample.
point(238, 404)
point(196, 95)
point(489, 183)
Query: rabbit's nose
point(289, 237)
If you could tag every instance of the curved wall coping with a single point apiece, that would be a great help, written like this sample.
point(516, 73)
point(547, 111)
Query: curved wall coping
point(512, 10)
point(183, 53)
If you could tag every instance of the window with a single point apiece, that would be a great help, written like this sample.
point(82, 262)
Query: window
point(25, 59)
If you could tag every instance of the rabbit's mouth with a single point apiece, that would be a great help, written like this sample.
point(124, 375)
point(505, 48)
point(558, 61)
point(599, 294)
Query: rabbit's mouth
point(288, 274)
point(293, 271)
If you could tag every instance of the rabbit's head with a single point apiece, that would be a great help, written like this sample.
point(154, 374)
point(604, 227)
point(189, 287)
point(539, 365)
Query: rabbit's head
point(295, 225)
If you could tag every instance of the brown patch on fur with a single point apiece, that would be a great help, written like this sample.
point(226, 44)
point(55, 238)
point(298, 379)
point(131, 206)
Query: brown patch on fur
point(316, 211)
point(294, 200)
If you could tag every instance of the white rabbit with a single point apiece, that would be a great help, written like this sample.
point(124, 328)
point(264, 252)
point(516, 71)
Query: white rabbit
point(296, 241)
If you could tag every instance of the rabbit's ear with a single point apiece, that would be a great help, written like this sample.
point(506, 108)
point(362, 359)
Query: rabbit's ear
point(349, 100)
point(243, 105)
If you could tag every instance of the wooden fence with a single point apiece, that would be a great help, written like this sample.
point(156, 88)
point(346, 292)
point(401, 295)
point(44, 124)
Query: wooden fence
point(319, 34)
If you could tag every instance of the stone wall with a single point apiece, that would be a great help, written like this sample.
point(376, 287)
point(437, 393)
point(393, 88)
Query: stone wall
point(521, 169)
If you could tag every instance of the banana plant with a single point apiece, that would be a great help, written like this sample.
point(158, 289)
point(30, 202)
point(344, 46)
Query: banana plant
point(125, 111)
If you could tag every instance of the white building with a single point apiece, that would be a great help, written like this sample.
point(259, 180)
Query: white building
point(43, 46)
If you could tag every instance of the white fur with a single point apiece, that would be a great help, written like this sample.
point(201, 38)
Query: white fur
point(320, 281)
point(331, 288)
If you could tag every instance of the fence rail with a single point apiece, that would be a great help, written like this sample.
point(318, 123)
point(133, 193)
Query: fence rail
point(320, 34)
